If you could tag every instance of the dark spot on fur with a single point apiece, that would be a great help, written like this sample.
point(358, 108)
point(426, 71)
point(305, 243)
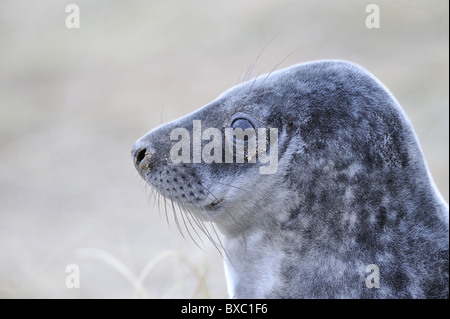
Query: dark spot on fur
point(381, 217)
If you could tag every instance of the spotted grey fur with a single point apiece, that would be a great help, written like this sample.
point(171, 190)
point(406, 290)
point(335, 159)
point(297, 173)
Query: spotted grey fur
point(351, 189)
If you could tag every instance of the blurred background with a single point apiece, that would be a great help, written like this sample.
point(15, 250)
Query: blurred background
point(73, 101)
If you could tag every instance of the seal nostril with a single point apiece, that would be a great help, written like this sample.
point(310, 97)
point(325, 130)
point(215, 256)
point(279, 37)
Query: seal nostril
point(140, 156)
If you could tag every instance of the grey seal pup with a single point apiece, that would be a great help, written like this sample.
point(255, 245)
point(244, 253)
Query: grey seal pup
point(346, 207)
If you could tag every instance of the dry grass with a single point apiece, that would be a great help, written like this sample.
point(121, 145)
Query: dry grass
point(137, 280)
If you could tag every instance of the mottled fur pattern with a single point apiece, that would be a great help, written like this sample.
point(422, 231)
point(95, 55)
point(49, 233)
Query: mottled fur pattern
point(352, 189)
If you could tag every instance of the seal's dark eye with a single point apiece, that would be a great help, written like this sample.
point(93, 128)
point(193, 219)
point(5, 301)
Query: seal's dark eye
point(243, 130)
point(242, 124)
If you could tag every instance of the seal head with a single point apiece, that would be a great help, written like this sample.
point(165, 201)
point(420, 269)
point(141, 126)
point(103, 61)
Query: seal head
point(350, 187)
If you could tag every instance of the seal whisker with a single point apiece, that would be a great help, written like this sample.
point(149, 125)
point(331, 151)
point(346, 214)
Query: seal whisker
point(161, 116)
point(165, 210)
point(158, 197)
point(214, 229)
point(248, 74)
point(227, 211)
point(154, 197)
point(273, 69)
point(199, 222)
point(202, 224)
point(177, 222)
point(192, 226)
point(253, 83)
point(192, 212)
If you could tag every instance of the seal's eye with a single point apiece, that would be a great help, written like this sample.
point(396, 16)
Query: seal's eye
point(242, 124)
point(243, 130)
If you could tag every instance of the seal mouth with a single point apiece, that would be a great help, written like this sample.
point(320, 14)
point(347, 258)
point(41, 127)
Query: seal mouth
point(214, 205)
